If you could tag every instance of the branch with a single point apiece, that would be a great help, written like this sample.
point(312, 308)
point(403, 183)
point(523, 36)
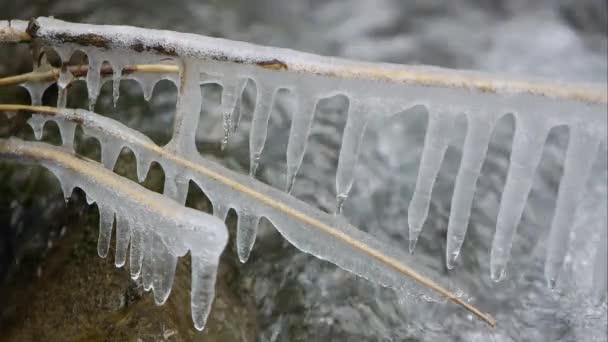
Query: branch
point(224, 177)
point(82, 70)
point(173, 44)
point(14, 31)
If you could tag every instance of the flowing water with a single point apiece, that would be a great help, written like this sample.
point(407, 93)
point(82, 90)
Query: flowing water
point(301, 298)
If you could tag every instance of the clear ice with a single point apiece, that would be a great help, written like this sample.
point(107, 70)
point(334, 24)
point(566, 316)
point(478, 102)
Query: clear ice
point(323, 235)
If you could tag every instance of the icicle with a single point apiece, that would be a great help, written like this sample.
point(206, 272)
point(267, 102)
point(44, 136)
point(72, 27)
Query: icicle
point(435, 144)
point(110, 149)
point(136, 253)
point(163, 270)
point(581, 152)
point(231, 93)
point(36, 91)
point(147, 268)
point(351, 141)
point(476, 143)
point(525, 155)
point(176, 187)
point(204, 272)
point(93, 78)
point(62, 97)
point(259, 124)
point(188, 110)
point(148, 90)
point(116, 76)
point(67, 130)
point(600, 275)
point(168, 229)
point(106, 221)
point(65, 78)
point(301, 122)
point(238, 111)
point(148, 81)
point(66, 182)
point(246, 232)
point(226, 124)
point(123, 234)
point(37, 121)
point(144, 161)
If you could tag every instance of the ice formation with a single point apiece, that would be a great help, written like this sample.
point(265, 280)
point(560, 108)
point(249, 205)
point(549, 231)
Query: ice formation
point(157, 229)
point(327, 236)
point(372, 89)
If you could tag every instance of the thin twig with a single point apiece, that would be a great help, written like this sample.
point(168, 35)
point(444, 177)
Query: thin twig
point(293, 213)
point(82, 70)
point(10, 34)
point(52, 32)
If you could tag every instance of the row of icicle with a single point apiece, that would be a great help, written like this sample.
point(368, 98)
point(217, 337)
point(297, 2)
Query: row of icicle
point(527, 148)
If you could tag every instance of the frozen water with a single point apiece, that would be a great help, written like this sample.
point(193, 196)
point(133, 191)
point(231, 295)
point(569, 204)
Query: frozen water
point(158, 227)
point(521, 169)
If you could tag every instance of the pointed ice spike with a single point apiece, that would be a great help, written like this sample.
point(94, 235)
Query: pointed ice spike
point(106, 221)
point(148, 90)
point(143, 166)
point(148, 81)
point(66, 182)
point(204, 273)
point(246, 232)
point(110, 150)
point(147, 269)
point(435, 144)
point(62, 97)
point(67, 130)
point(580, 155)
point(301, 123)
point(116, 76)
point(123, 234)
point(176, 187)
point(259, 124)
point(65, 77)
point(36, 91)
point(237, 114)
point(231, 92)
point(227, 122)
point(37, 122)
point(476, 143)
point(349, 152)
point(136, 253)
point(187, 111)
point(93, 79)
point(163, 271)
point(525, 155)
point(600, 275)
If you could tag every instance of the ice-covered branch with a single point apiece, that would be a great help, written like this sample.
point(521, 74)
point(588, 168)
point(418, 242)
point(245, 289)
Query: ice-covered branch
point(157, 229)
point(371, 90)
point(79, 71)
point(312, 231)
point(174, 44)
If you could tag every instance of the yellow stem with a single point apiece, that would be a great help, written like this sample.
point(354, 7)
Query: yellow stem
point(81, 70)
